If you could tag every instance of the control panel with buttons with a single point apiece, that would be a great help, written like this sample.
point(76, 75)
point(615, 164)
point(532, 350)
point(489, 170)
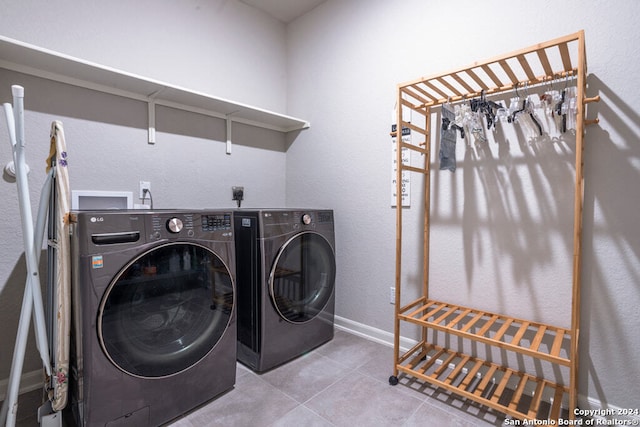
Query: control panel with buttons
point(216, 222)
point(170, 225)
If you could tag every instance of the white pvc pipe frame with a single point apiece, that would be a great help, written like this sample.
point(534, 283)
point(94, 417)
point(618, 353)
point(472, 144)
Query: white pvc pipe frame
point(32, 299)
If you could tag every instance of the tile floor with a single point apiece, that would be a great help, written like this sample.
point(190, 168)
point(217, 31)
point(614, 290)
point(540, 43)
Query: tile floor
point(342, 383)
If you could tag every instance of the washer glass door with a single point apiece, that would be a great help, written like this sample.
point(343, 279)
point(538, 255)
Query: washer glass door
point(302, 277)
point(166, 310)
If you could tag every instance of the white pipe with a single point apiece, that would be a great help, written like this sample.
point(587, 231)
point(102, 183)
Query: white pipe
point(41, 220)
point(11, 398)
point(11, 126)
point(27, 309)
point(32, 299)
point(43, 209)
point(10, 168)
point(25, 315)
point(27, 226)
point(10, 404)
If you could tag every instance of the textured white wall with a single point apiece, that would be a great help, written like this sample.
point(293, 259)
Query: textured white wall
point(345, 59)
point(201, 45)
point(343, 63)
point(221, 47)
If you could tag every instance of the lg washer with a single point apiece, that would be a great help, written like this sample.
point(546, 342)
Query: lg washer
point(154, 328)
point(286, 283)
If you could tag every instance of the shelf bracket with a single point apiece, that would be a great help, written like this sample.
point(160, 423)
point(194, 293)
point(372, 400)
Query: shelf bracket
point(229, 122)
point(152, 122)
point(228, 119)
point(151, 104)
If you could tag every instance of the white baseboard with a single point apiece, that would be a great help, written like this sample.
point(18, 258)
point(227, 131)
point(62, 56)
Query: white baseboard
point(596, 410)
point(30, 381)
point(371, 333)
point(585, 403)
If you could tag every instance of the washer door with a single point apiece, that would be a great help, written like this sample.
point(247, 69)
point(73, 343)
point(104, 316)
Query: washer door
point(166, 310)
point(302, 277)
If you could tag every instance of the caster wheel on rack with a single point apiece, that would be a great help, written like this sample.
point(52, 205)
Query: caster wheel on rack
point(393, 380)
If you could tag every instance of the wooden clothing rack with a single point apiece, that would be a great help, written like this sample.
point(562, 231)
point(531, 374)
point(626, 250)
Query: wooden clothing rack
point(496, 386)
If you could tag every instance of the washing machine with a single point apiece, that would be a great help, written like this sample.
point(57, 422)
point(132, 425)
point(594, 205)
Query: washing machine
point(286, 269)
point(153, 308)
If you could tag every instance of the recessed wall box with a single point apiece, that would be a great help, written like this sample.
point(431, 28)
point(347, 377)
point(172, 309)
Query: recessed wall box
point(100, 200)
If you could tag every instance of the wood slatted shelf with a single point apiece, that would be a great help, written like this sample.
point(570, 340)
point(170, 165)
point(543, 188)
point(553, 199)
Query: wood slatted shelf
point(515, 393)
point(518, 335)
point(509, 391)
point(495, 75)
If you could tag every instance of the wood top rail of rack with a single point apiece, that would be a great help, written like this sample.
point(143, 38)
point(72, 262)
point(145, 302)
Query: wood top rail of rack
point(495, 386)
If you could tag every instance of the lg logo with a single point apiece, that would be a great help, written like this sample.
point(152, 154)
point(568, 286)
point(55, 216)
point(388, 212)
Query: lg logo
point(97, 219)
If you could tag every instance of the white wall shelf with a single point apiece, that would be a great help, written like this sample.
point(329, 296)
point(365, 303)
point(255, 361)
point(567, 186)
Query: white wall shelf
point(33, 60)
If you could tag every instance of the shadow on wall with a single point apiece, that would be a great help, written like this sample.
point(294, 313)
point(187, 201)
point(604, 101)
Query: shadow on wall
point(512, 195)
point(494, 181)
point(63, 100)
point(610, 291)
point(484, 220)
point(11, 296)
point(520, 231)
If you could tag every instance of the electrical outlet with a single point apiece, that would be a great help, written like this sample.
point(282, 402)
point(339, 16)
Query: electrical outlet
point(392, 295)
point(238, 193)
point(144, 185)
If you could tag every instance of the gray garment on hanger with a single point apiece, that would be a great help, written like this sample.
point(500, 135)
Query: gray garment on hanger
point(447, 140)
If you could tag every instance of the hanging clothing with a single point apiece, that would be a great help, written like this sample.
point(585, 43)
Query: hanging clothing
point(448, 136)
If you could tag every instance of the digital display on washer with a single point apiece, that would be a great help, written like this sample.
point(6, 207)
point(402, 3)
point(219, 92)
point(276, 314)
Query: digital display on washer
point(216, 222)
point(324, 217)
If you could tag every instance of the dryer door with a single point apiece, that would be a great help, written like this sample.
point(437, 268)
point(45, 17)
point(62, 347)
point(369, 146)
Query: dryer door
point(166, 310)
point(302, 277)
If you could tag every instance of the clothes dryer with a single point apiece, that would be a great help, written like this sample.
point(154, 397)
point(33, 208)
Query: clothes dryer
point(154, 329)
point(286, 283)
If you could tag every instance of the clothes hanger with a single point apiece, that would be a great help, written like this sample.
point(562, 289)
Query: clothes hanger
point(512, 117)
point(486, 107)
point(558, 109)
point(449, 122)
point(535, 121)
